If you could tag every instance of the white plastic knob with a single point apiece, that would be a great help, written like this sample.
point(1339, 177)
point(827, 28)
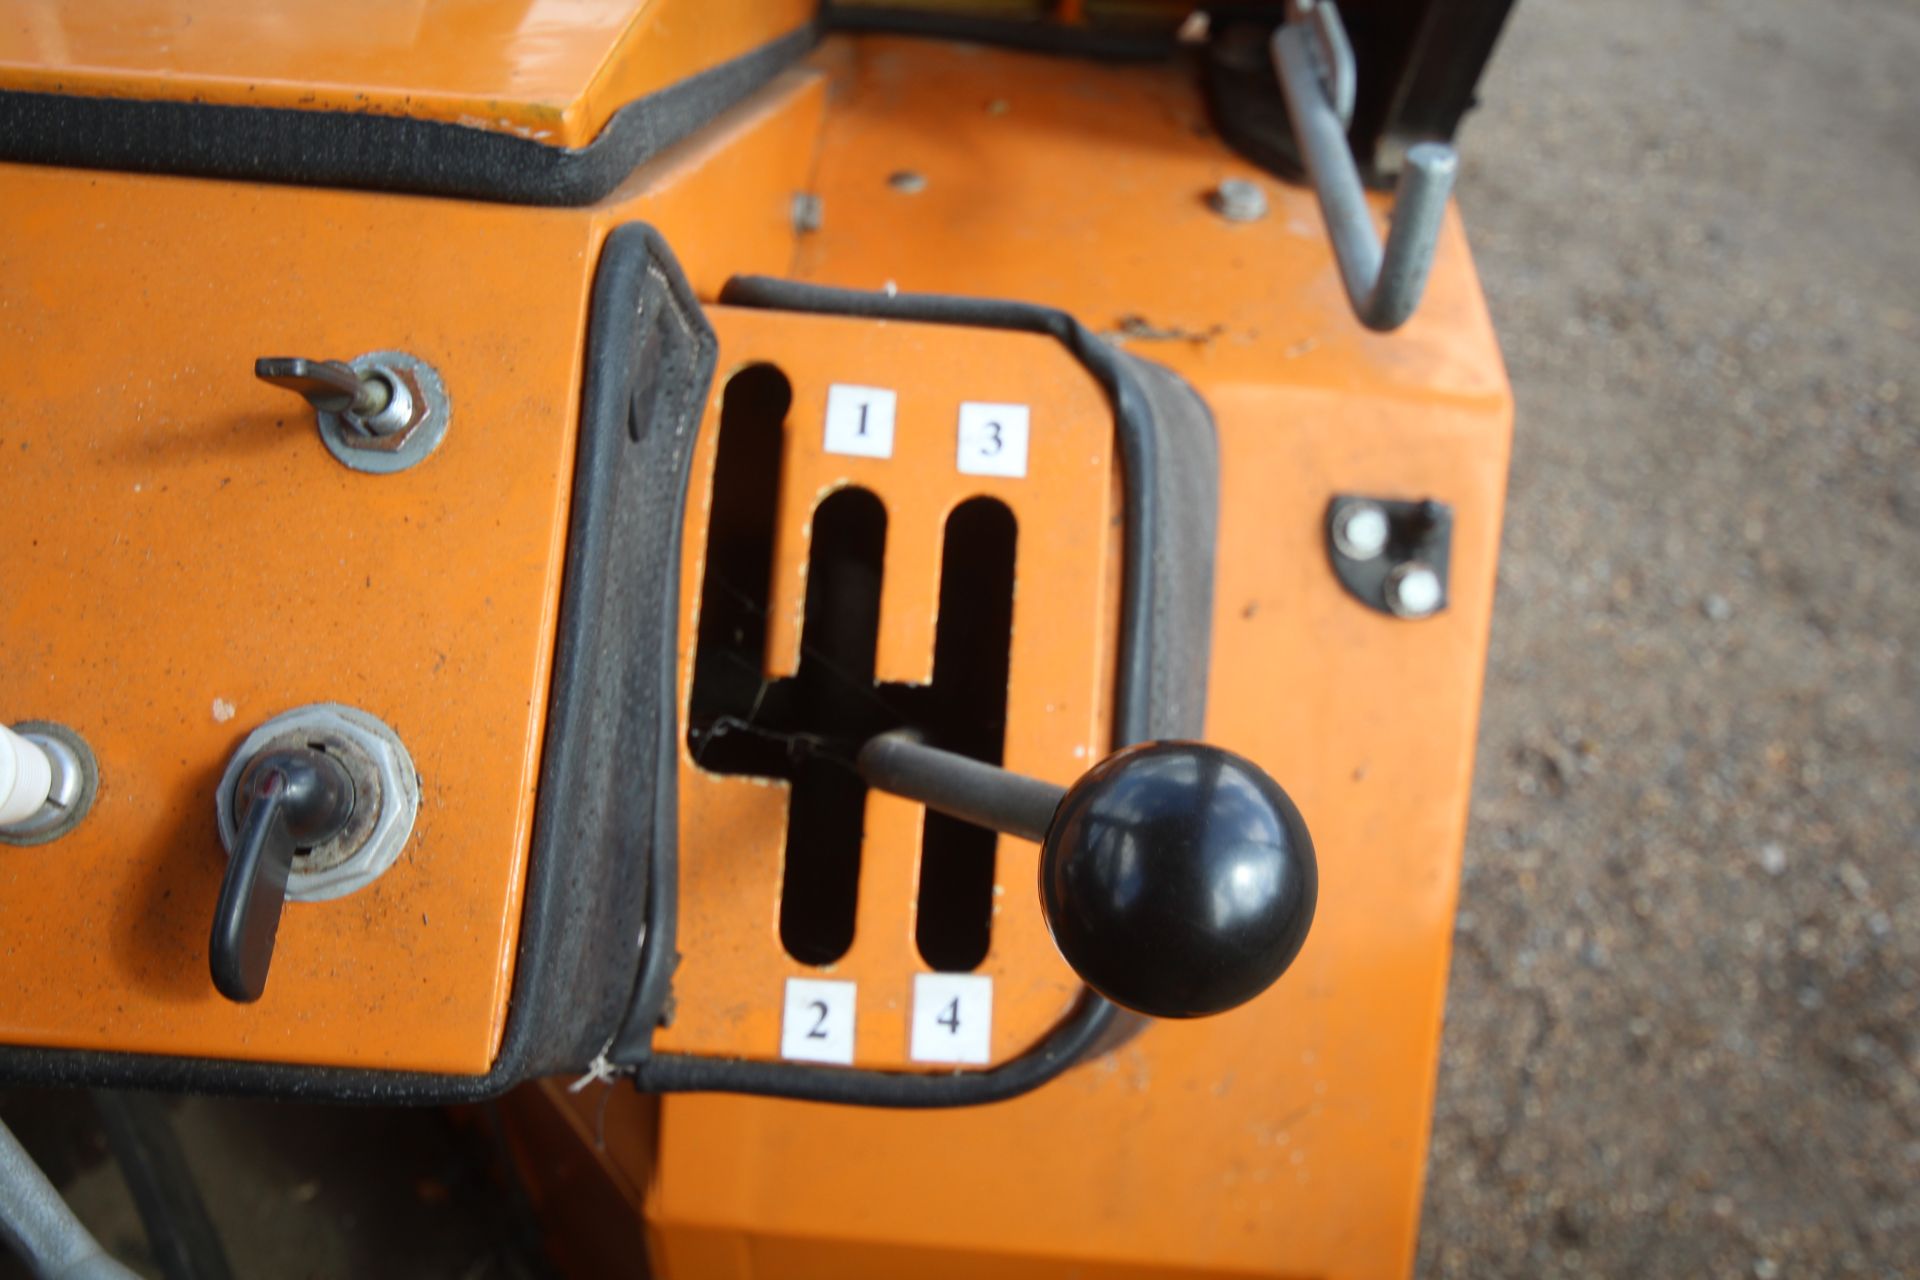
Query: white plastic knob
point(26, 778)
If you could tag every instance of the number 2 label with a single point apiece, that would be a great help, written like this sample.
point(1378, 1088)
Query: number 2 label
point(952, 1018)
point(817, 1025)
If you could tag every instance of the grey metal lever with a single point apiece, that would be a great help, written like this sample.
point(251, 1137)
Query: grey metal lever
point(1314, 61)
point(373, 404)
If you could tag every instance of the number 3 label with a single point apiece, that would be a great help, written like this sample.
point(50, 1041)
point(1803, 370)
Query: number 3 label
point(818, 1023)
point(993, 439)
point(952, 1018)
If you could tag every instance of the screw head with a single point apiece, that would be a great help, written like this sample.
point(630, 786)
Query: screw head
point(1361, 530)
point(807, 212)
point(1238, 200)
point(1414, 590)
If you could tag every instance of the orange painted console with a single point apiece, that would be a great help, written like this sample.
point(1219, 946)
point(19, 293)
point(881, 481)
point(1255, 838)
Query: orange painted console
point(493, 690)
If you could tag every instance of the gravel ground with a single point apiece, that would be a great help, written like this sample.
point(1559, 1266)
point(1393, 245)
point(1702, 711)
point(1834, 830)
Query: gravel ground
point(1683, 1035)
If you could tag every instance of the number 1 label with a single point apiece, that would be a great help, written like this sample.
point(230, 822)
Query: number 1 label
point(952, 1018)
point(859, 421)
point(817, 1025)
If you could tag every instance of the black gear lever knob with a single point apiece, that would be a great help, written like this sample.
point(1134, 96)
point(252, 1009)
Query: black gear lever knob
point(1178, 878)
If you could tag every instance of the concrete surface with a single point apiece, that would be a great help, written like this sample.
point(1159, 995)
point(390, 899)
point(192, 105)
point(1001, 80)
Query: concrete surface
point(300, 1192)
point(1683, 1036)
point(1684, 1029)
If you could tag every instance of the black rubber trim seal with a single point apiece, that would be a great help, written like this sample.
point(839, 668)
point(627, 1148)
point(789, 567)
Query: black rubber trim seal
point(1164, 642)
point(1140, 42)
point(376, 152)
point(433, 157)
point(608, 770)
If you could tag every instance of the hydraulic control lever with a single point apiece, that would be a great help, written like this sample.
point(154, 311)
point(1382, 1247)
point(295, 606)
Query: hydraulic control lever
point(288, 799)
point(1315, 64)
point(1177, 878)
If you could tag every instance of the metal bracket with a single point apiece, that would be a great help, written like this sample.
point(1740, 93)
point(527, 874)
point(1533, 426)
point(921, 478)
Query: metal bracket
point(1391, 556)
point(1314, 61)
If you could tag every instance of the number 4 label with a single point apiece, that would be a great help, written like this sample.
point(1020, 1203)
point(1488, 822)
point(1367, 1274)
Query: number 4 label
point(818, 1023)
point(952, 1018)
point(993, 439)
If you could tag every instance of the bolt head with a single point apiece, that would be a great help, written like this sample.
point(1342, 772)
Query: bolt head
point(1238, 200)
point(808, 212)
point(1414, 590)
point(1361, 530)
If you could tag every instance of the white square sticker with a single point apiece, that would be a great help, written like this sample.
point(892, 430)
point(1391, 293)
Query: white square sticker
point(859, 421)
point(993, 439)
point(818, 1023)
point(952, 1018)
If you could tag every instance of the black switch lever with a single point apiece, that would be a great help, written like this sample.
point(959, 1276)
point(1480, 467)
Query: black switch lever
point(287, 800)
point(1178, 878)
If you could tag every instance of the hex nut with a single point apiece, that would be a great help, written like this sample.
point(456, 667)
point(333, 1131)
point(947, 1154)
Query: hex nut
point(386, 796)
point(381, 451)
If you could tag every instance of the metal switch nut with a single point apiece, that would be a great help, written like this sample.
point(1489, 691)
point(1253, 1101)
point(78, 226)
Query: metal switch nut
point(50, 774)
point(380, 412)
point(383, 780)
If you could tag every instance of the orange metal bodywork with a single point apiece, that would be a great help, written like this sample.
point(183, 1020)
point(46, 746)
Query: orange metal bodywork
point(188, 561)
point(553, 73)
point(728, 985)
point(1285, 1138)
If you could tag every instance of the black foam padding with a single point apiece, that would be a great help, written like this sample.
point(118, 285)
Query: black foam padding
point(1143, 41)
point(1183, 546)
point(377, 152)
point(1170, 468)
point(609, 779)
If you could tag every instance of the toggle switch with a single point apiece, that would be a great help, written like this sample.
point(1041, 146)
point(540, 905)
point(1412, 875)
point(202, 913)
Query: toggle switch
point(1177, 878)
point(48, 779)
point(288, 799)
point(373, 403)
point(381, 412)
point(317, 802)
point(26, 778)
